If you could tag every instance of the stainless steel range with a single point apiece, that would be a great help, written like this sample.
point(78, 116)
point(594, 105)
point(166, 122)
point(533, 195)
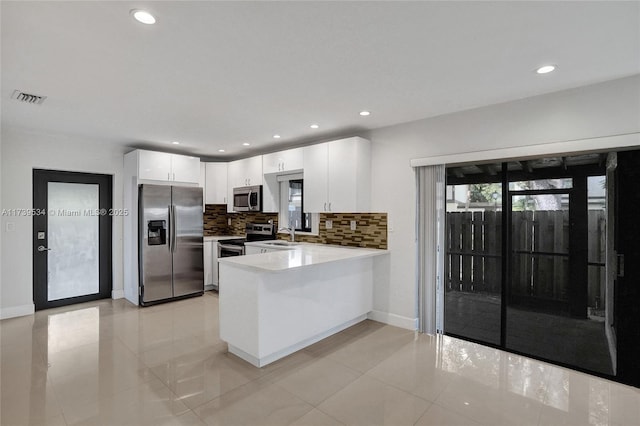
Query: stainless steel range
point(254, 232)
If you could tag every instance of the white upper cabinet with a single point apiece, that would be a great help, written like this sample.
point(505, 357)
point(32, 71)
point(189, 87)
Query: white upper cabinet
point(283, 161)
point(154, 165)
point(245, 172)
point(185, 168)
point(165, 167)
point(316, 177)
point(337, 176)
point(216, 183)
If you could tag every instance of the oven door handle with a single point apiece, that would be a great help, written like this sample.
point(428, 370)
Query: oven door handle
point(233, 248)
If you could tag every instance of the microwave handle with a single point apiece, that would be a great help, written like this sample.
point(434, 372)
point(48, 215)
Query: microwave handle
point(249, 200)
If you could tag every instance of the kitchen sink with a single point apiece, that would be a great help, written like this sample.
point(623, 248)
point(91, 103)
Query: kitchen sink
point(280, 243)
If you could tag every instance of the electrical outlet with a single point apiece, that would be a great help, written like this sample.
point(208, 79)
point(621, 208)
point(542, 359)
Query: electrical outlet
point(328, 224)
point(353, 225)
point(229, 221)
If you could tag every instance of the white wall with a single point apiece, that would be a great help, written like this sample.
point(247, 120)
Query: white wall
point(22, 152)
point(605, 109)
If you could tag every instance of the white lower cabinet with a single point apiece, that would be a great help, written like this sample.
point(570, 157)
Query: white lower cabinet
point(258, 250)
point(208, 264)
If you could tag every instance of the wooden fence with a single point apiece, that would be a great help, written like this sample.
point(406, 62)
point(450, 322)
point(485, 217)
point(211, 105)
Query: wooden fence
point(540, 264)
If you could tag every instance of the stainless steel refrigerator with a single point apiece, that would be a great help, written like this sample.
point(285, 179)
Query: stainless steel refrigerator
point(170, 243)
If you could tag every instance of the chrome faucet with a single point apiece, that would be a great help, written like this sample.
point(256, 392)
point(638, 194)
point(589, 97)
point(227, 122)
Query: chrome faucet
point(291, 231)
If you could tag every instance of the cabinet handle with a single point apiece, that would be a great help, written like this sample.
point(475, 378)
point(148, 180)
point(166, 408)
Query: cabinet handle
point(329, 206)
point(174, 176)
point(325, 207)
point(168, 176)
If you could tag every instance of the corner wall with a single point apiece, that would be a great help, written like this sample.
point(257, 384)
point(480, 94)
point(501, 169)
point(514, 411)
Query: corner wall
point(605, 109)
point(23, 151)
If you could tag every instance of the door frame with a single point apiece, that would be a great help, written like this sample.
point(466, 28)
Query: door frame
point(41, 178)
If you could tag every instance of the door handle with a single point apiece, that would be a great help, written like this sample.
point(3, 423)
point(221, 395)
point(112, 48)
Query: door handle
point(43, 248)
point(174, 222)
point(621, 265)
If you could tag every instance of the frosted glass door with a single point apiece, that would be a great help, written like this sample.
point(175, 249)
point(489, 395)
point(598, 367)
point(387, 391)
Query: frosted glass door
point(73, 235)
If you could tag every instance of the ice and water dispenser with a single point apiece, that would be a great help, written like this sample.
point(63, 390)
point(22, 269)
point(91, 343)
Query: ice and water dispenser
point(156, 232)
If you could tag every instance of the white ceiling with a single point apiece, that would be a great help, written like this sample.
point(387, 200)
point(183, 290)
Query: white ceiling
point(213, 75)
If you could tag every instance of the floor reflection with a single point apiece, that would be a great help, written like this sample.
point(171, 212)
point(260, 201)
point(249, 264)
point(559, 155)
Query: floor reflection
point(112, 363)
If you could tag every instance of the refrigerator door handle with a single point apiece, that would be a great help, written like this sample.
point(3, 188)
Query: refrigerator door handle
point(173, 228)
point(170, 239)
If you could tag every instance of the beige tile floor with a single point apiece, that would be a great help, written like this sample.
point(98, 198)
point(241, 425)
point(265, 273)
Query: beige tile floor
point(110, 363)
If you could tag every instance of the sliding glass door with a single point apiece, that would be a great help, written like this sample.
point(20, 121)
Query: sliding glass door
point(526, 260)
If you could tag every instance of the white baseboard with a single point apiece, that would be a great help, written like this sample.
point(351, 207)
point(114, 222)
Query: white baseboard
point(17, 311)
point(393, 319)
point(117, 294)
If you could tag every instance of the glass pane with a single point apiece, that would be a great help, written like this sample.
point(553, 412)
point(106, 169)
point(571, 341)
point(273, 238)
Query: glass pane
point(565, 183)
point(73, 237)
point(298, 220)
point(473, 278)
point(539, 320)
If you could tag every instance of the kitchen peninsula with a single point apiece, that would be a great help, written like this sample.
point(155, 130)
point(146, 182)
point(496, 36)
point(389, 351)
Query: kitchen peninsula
point(273, 304)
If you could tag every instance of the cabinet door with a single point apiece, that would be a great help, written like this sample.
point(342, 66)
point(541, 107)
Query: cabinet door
point(214, 263)
point(271, 163)
point(235, 178)
point(349, 176)
point(208, 262)
point(341, 185)
point(283, 161)
point(185, 168)
point(315, 178)
point(292, 159)
point(270, 193)
point(202, 183)
point(216, 187)
point(154, 165)
point(252, 250)
point(253, 170)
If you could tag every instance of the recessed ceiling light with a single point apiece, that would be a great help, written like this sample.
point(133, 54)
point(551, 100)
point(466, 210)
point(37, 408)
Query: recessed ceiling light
point(276, 136)
point(246, 144)
point(546, 69)
point(175, 143)
point(314, 126)
point(221, 150)
point(143, 16)
point(365, 113)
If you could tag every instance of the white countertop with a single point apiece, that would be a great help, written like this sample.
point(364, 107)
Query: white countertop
point(222, 237)
point(298, 256)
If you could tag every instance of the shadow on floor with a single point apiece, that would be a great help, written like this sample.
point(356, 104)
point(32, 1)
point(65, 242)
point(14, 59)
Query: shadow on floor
point(578, 342)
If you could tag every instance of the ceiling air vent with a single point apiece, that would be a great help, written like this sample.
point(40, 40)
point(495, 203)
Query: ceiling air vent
point(28, 97)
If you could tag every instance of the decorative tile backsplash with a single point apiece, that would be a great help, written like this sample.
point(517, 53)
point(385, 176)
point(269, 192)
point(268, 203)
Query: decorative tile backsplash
point(370, 232)
point(239, 220)
point(215, 220)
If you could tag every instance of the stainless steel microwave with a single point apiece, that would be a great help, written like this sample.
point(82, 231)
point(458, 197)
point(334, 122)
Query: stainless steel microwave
point(247, 199)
